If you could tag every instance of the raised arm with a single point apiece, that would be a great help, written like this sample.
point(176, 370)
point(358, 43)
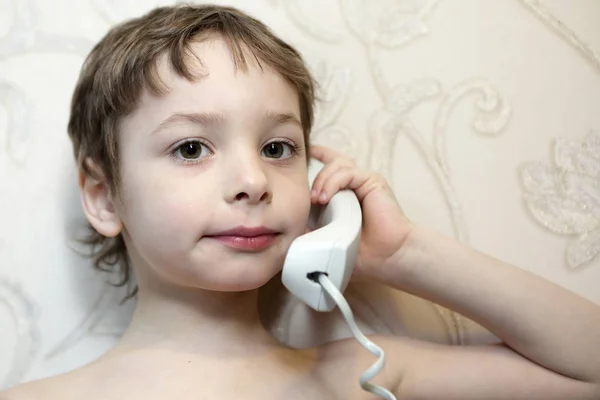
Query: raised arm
point(552, 335)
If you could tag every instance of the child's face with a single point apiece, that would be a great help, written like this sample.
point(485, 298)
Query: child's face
point(238, 168)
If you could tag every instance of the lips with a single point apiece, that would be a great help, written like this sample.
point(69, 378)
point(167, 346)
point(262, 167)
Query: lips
point(246, 238)
point(244, 231)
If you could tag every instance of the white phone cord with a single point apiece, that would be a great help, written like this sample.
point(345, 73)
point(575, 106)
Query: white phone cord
point(360, 338)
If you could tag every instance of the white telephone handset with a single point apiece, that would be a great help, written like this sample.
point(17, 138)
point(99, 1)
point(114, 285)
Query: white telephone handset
point(331, 248)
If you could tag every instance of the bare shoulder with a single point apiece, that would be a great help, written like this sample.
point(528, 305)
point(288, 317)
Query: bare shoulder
point(49, 388)
point(66, 386)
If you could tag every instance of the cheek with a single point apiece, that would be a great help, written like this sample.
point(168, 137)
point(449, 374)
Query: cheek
point(298, 207)
point(163, 216)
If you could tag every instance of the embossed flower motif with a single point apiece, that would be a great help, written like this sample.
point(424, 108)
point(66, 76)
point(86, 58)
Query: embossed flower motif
point(389, 23)
point(333, 91)
point(23, 37)
point(25, 313)
point(565, 196)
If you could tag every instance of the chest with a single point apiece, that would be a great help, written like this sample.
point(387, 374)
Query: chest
point(225, 387)
point(258, 381)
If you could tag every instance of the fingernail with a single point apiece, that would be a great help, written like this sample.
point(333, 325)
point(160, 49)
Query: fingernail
point(323, 196)
point(313, 193)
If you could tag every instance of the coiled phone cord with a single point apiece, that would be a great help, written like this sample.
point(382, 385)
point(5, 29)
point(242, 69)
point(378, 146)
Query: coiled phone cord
point(370, 373)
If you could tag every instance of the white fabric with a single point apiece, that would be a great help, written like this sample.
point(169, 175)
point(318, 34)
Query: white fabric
point(481, 113)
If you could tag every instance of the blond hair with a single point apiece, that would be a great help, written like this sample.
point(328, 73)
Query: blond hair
point(124, 63)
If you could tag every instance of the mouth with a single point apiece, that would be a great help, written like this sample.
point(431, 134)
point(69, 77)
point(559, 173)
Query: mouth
point(251, 239)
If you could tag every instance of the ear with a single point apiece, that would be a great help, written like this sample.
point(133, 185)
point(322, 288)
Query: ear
point(98, 203)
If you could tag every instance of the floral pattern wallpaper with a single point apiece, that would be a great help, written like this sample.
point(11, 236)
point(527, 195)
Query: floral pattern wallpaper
point(483, 116)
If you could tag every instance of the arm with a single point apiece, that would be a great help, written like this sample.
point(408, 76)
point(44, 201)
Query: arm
point(552, 335)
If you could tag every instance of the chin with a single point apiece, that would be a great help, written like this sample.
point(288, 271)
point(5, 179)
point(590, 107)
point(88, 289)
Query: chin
point(233, 272)
point(238, 285)
point(234, 277)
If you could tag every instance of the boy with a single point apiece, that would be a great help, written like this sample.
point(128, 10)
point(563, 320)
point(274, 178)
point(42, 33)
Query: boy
point(190, 126)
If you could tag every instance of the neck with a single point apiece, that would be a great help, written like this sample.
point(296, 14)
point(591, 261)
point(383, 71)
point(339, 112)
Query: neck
point(179, 319)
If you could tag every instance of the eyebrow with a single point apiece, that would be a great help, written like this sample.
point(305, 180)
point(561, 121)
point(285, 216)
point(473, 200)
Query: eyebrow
point(209, 119)
point(277, 118)
point(272, 118)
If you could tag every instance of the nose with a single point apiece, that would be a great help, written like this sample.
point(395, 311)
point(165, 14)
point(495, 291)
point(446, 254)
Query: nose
point(248, 183)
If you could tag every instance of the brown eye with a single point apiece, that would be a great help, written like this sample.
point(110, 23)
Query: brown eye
point(191, 150)
point(279, 150)
point(274, 150)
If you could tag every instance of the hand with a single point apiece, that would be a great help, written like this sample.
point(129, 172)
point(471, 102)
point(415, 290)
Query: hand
point(384, 226)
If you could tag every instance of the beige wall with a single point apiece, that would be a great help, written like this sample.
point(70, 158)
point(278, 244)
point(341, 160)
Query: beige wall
point(482, 114)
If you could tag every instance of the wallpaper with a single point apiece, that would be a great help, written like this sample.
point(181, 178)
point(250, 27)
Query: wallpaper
point(482, 114)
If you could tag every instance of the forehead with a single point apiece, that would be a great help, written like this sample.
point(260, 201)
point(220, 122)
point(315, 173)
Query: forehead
point(221, 87)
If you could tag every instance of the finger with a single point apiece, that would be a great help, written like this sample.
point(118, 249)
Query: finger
point(333, 184)
point(323, 176)
point(343, 178)
point(328, 170)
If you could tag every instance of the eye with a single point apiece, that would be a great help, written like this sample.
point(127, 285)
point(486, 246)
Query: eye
point(191, 150)
point(279, 149)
